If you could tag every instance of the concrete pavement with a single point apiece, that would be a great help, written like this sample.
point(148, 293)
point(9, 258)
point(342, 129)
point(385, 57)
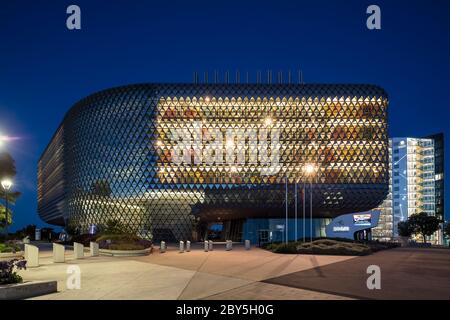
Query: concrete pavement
point(218, 274)
point(406, 273)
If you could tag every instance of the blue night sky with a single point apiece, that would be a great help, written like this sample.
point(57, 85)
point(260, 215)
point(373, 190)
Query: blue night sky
point(45, 68)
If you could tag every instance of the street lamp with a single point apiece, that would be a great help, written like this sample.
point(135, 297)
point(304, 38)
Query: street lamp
point(6, 184)
point(310, 169)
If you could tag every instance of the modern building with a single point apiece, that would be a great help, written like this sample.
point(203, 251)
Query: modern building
point(416, 184)
point(188, 161)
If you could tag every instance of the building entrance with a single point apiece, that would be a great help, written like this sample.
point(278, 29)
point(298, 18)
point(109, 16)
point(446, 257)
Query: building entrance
point(364, 235)
point(264, 237)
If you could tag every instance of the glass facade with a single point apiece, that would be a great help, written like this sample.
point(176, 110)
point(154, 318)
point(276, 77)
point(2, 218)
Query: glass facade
point(273, 230)
point(415, 184)
point(164, 159)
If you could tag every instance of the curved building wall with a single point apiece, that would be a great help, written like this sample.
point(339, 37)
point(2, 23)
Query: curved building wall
point(161, 157)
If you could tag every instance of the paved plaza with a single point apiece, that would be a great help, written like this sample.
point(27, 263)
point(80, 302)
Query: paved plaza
point(256, 274)
point(217, 274)
point(406, 273)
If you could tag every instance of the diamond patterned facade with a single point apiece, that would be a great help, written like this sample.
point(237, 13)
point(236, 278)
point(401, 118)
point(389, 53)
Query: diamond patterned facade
point(113, 155)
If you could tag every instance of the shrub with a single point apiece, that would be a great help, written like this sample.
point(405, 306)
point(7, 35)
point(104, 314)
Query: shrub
point(126, 246)
point(289, 248)
point(122, 242)
point(322, 246)
point(333, 247)
point(85, 239)
point(9, 247)
point(28, 231)
point(113, 227)
point(8, 274)
point(118, 237)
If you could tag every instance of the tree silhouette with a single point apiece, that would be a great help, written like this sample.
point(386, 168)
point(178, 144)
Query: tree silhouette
point(7, 171)
point(7, 166)
point(424, 224)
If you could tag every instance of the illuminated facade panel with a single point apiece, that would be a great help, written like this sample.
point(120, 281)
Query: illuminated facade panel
point(161, 158)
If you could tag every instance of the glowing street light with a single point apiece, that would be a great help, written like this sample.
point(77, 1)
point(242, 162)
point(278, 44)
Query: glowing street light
point(6, 184)
point(310, 169)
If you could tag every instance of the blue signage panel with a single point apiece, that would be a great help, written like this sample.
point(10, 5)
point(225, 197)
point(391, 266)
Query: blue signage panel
point(346, 225)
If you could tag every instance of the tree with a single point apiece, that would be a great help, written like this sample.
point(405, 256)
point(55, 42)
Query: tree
point(3, 216)
point(28, 231)
point(424, 224)
point(7, 171)
point(113, 226)
point(447, 229)
point(7, 166)
point(405, 229)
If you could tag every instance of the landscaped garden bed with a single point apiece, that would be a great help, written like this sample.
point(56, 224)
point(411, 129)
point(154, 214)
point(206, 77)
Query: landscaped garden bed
point(9, 247)
point(10, 250)
point(12, 286)
point(114, 240)
point(330, 247)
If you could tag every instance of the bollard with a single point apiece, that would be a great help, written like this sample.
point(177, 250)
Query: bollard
point(188, 246)
point(94, 248)
point(206, 246)
point(229, 245)
point(58, 253)
point(32, 256)
point(210, 245)
point(181, 246)
point(78, 250)
point(162, 247)
point(247, 244)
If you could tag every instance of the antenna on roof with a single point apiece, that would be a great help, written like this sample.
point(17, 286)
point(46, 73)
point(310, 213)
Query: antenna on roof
point(269, 76)
point(195, 77)
point(289, 77)
point(300, 77)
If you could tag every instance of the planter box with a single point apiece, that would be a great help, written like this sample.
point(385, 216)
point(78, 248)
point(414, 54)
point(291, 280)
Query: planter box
point(27, 289)
point(10, 255)
point(125, 253)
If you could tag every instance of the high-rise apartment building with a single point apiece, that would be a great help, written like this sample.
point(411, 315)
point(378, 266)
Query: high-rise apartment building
point(416, 184)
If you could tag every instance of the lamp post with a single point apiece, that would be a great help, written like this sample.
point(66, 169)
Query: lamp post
point(310, 169)
point(6, 184)
point(304, 212)
point(286, 226)
point(295, 229)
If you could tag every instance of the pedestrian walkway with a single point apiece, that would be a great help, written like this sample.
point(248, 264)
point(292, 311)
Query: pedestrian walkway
point(217, 274)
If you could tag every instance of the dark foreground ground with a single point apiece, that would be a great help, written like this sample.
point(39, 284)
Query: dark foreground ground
point(406, 273)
